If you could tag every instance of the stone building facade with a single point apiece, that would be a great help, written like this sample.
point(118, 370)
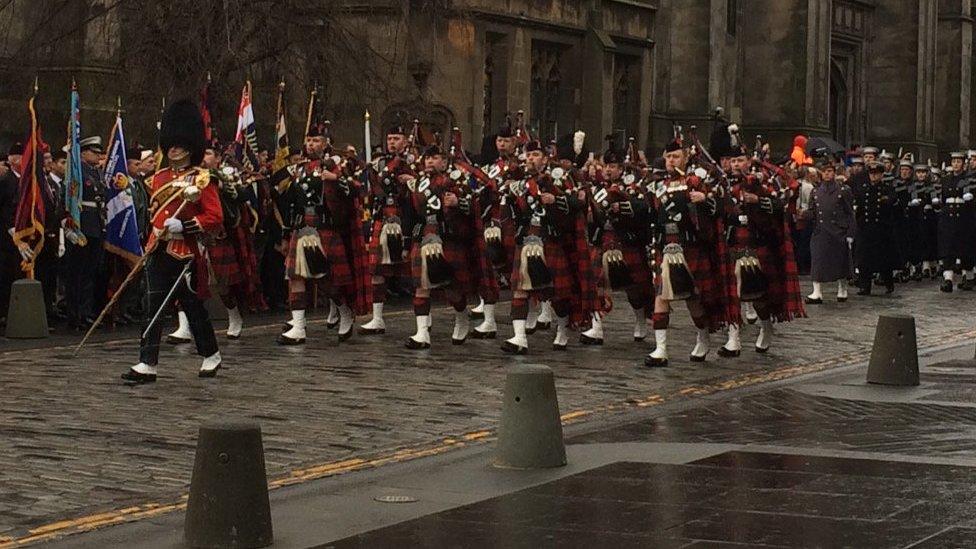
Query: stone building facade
point(894, 73)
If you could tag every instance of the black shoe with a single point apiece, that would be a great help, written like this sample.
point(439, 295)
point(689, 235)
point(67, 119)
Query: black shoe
point(133, 377)
point(543, 326)
point(208, 373)
point(514, 349)
point(177, 340)
point(841, 299)
point(752, 319)
point(967, 285)
point(371, 331)
point(346, 336)
point(889, 288)
point(812, 301)
point(695, 358)
point(760, 350)
point(946, 286)
point(475, 315)
point(233, 337)
point(530, 331)
point(557, 347)
point(415, 345)
point(475, 334)
point(285, 340)
point(332, 325)
point(727, 353)
point(459, 341)
point(652, 362)
point(587, 340)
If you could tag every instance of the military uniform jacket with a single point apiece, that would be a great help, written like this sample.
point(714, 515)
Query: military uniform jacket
point(204, 217)
point(831, 214)
point(957, 219)
point(874, 211)
point(92, 202)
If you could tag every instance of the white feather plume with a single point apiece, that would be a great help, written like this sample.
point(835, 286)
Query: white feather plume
point(578, 139)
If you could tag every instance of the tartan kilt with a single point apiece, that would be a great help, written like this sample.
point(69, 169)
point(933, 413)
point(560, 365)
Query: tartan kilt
point(376, 266)
point(714, 283)
point(634, 257)
point(462, 259)
point(223, 263)
point(340, 271)
point(563, 281)
point(508, 242)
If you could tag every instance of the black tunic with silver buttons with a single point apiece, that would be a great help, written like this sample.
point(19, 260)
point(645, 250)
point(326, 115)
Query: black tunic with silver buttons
point(957, 220)
point(874, 212)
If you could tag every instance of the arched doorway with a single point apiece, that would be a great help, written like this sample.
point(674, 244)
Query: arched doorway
point(840, 104)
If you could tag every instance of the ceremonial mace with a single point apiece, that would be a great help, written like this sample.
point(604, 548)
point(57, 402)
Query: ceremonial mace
point(188, 197)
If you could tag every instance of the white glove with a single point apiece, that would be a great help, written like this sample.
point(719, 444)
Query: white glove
point(61, 248)
point(173, 226)
point(701, 173)
point(967, 197)
point(915, 202)
point(850, 241)
point(935, 201)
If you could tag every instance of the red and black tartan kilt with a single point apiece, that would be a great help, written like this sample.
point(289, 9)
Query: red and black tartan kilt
point(223, 262)
point(340, 271)
point(770, 266)
point(508, 243)
point(707, 274)
point(460, 257)
point(376, 266)
point(634, 256)
point(563, 285)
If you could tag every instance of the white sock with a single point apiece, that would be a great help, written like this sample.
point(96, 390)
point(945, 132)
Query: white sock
point(702, 343)
point(734, 343)
point(596, 331)
point(423, 329)
point(211, 362)
point(562, 331)
point(519, 338)
point(488, 325)
point(817, 291)
point(461, 326)
point(661, 344)
point(235, 322)
point(183, 328)
point(297, 330)
point(640, 323)
point(377, 322)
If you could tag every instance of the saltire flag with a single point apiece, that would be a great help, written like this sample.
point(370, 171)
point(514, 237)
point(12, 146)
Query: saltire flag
point(246, 141)
point(281, 133)
point(206, 108)
point(121, 230)
point(30, 215)
point(73, 176)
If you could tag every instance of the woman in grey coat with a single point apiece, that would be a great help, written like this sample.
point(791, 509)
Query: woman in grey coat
point(831, 213)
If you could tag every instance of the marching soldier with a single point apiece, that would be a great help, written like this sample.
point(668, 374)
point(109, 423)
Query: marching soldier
point(832, 216)
point(622, 216)
point(690, 257)
point(874, 209)
point(957, 224)
point(447, 253)
point(761, 251)
point(185, 207)
point(927, 196)
point(326, 245)
point(552, 260)
point(393, 221)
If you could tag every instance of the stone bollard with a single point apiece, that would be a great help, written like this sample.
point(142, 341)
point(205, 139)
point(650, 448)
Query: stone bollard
point(894, 357)
point(531, 433)
point(228, 505)
point(26, 316)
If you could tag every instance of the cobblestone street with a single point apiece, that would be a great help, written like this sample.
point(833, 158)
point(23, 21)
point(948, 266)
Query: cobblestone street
point(75, 441)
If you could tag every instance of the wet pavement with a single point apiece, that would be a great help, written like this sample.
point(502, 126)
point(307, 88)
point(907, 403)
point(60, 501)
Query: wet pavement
point(77, 443)
point(863, 468)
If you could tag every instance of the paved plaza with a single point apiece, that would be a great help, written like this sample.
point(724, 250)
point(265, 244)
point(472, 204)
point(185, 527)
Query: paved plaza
point(78, 444)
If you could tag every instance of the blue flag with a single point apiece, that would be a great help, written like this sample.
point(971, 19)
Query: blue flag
point(121, 230)
point(73, 177)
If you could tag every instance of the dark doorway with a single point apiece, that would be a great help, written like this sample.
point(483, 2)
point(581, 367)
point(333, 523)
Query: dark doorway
point(840, 104)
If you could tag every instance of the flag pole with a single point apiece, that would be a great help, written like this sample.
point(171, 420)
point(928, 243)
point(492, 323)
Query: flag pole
point(311, 108)
point(367, 142)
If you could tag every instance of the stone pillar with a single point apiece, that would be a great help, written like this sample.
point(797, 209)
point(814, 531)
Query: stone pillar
point(953, 76)
point(785, 70)
point(520, 71)
point(596, 88)
point(901, 77)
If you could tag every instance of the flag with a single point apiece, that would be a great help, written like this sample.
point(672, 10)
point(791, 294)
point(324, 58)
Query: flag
point(281, 133)
point(72, 175)
point(206, 108)
point(246, 141)
point(30, 215)
point(121, 230)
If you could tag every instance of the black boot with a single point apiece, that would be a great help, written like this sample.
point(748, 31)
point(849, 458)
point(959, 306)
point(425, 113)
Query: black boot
point(946, 286)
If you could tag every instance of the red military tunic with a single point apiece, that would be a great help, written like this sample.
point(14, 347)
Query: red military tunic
point(203, 217)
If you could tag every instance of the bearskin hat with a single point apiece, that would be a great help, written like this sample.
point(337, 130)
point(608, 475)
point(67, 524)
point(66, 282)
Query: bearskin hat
point(182, 126)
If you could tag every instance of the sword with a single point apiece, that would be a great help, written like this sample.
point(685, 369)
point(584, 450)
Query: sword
point(169, 296)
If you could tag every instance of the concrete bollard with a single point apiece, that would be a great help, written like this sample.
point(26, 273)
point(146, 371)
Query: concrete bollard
point(228, 505)
point(894, 357)
point(531, 434)
point(26, 316)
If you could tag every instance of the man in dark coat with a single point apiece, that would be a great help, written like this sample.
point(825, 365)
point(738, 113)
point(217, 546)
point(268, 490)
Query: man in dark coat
point(928, 198)
point(85, 260)
point(905, 233)
point(831, 214)
point(9, 256)
point(874, 208)
point(957, 225)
